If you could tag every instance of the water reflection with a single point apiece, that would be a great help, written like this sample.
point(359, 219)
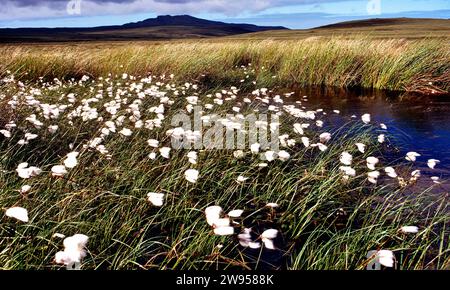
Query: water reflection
point(420, 123)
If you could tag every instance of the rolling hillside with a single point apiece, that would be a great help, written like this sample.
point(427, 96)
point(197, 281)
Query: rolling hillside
point(378, 28)
point(160, 28)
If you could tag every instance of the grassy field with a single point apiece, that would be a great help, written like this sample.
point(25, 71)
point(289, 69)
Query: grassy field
point(323, 218)
point(106, 124)
point(395, 64)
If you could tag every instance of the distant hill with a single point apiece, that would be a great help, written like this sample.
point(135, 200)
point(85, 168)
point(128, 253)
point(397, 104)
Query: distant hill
point(377, 28)
point(376, 23)
point(161, 27)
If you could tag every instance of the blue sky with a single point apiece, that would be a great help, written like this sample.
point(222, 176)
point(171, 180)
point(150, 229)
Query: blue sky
point(289, 13)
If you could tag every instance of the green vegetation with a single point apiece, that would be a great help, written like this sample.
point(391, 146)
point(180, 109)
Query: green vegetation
point(323, 221)
point(395, 64)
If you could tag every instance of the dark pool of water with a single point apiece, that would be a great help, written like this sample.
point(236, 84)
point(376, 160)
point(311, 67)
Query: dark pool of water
point(416, 123)
point(419, 123)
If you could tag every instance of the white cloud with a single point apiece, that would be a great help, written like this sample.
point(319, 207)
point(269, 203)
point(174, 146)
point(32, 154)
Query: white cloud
point(33, 9)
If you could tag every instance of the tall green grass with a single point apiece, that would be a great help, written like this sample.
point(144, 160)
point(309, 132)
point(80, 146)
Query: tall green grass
point(324, 223)
point(394, 64)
